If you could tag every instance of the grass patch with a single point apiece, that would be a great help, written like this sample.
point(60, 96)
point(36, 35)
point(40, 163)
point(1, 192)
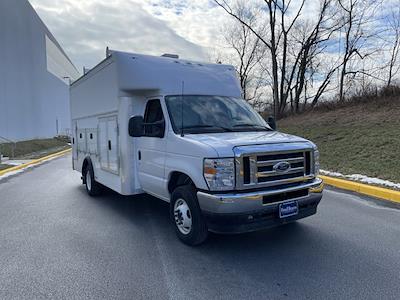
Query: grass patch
point(363, 139)
point(35, 148)
point(3, 167)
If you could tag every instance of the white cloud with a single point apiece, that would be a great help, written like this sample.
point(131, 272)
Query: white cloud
point(86, 28)
point(199, 21)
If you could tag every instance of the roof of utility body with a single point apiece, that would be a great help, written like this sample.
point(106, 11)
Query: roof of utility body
point(139, 73)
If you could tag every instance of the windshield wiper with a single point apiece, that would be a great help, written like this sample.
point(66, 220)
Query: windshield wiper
point(206, 126)
point(253, 126)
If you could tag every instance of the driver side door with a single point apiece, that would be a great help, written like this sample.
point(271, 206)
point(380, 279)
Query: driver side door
point(151, 149)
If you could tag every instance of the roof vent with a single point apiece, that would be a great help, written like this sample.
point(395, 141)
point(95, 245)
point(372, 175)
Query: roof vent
point(170, 55)
point(108, 52)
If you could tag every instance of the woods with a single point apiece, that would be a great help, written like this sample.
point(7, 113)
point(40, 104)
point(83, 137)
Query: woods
point(291, 55)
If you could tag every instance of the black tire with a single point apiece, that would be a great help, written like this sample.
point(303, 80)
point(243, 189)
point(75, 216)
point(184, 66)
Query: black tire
point(198, 231)
point(93, 188)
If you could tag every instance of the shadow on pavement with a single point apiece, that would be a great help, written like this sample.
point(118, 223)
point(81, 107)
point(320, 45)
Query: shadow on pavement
point(145, 206)
point(284, 260)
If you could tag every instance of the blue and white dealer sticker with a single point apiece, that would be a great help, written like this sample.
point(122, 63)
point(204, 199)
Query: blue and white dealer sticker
point(288, 209)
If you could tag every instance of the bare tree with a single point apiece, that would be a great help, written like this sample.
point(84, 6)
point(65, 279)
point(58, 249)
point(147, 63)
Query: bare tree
point(271, 43)
point(289, 60)
point(393, 26)
point(248, 51)
point(358, 24)
point(311, 71)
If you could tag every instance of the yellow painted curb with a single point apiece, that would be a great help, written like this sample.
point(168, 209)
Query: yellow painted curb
point(34, 162)
point(370, 190)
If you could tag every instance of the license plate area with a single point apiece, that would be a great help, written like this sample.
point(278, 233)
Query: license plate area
point(288, 209)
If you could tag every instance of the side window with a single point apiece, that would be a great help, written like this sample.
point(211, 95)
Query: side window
point(155, 117)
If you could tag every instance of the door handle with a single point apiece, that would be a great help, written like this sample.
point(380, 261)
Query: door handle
point(139, 155)
point(109, 145)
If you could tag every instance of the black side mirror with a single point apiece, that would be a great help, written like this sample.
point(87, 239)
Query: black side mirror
point(155, 129)
point(271, 122)
point(136, 126)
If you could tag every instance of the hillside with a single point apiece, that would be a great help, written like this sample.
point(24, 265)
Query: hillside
point(354, 139)
point(33, 149)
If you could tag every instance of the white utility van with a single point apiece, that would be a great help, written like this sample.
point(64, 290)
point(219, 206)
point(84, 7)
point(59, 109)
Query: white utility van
point(179, 130)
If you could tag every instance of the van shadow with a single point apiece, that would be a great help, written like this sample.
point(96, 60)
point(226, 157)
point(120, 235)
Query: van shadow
point(300, 251)
point(137, 209)
point(144, 206)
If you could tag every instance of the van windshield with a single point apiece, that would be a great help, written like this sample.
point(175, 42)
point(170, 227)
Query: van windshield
point(207, 114)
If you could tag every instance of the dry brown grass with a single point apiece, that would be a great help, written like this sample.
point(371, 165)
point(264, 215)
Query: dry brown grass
point(361, 137)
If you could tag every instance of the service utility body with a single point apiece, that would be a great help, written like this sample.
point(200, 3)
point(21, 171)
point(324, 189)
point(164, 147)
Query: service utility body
point(179, 130)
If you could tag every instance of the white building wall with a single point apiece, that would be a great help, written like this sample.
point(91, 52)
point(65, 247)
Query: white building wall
point(33, 93)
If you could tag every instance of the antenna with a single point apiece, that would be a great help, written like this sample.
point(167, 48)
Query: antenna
point(183, 88)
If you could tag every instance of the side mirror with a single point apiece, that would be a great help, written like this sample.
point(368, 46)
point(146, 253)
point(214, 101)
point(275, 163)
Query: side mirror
point(155, 129)
point(271, 122)
point(136, 126)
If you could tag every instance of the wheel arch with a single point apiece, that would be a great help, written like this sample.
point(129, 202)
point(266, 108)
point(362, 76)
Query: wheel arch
point(177, 179)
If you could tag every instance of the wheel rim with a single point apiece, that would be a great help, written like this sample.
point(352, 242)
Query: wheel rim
point(183, 216)
point(88, 180)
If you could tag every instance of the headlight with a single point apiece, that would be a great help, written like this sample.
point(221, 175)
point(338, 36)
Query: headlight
point(219, 173)
point(316, 162)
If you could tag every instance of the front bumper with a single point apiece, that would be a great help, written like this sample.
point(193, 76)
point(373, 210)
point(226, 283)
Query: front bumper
point(244, 212)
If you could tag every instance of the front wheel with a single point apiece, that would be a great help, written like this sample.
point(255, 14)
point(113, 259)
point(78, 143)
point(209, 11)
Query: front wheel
point(187, 217)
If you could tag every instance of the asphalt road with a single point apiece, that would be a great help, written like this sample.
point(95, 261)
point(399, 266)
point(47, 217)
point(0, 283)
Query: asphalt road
point(57, 242)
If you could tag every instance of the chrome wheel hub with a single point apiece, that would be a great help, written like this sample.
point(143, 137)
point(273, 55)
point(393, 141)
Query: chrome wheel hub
point(183, 216)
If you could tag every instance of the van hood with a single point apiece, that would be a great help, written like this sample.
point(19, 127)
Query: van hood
point(224, 142)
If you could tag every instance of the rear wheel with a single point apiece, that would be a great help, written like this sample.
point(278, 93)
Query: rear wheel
point(190, 225)
point(93, 188)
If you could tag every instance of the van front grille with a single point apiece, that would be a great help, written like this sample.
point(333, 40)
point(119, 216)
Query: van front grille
point(267, 170)
point(275, 168)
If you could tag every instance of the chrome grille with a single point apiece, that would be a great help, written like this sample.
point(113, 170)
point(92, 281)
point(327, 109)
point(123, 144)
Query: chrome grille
point(256, 167)
point(265, 166)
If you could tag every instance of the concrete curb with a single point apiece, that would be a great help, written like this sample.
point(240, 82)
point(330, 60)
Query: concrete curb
point(34, 162)
point(365, 189)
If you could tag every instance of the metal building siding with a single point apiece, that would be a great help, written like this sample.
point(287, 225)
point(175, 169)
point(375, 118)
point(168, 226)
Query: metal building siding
point(31, 98)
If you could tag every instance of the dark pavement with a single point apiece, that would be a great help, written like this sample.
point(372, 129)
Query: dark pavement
point(57, 242)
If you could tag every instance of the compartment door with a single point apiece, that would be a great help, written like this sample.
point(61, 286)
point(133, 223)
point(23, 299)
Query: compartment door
point(113, 149)
point(108, 144)
point(75, 141)
point(103, 143)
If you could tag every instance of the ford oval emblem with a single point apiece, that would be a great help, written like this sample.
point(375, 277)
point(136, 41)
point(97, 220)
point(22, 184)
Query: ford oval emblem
point(282, 166)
